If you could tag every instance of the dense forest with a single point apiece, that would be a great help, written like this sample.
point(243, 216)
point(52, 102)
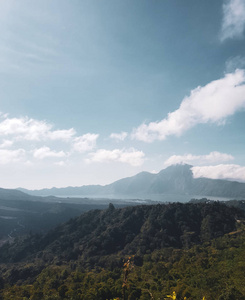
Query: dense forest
point(195, 250)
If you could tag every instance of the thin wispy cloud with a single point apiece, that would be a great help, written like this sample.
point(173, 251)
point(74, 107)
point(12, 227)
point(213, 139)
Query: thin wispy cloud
point(119, 136)
point(6, 144)
point(60, 163)
point(46, 152)
point(233, 23)
point(130, 156)
point(214, 157)
point(11, 156)
point(222, 171)
point(212, 103)
point(64, 134)
point(85, 143)
point(234, 63)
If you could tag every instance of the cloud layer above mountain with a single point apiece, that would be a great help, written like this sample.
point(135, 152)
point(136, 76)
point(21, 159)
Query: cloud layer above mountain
point(222, 171)
point(211, 158)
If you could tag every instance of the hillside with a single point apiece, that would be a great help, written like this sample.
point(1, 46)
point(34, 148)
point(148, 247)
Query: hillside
point(11, 194)
point(171, 184)
point(21, 213)
point(128, 230)
point(177, 247)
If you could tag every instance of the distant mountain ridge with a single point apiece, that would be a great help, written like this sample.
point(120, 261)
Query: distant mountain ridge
point(174, 180)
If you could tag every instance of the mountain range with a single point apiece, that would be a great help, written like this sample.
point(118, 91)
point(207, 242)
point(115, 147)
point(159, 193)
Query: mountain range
point(174, 183)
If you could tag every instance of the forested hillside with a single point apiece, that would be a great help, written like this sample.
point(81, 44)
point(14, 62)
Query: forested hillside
point(194, 249)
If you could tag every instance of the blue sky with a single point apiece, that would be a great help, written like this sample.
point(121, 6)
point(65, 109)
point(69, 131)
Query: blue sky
point(93, 91)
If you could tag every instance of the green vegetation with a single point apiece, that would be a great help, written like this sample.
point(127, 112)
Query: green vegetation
point(195, 250)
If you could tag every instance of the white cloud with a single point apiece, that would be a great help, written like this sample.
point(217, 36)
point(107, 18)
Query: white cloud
point(60, 163)
point(31, 134)
point(3, 115)
point(65, 134)
point(6, 144)
point(45, 152)
point(131, 156)
point(222, 171)
point(33, 130)
point(24, 128)
point(86, 142)
point(211, 158)
point(154, 172)
point(119, 136)
point(212, 103)
point(10, 156)
point(233, 19)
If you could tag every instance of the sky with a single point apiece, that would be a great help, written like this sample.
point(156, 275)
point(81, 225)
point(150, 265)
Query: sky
point(92, 91)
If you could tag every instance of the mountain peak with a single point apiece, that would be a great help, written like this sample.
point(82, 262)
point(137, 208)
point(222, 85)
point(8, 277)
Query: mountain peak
point(177, 170)
point(174, 180)
point(179, 166)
